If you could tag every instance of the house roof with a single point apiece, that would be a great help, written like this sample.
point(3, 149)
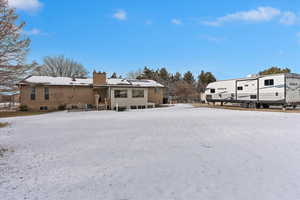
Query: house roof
point(67, 81)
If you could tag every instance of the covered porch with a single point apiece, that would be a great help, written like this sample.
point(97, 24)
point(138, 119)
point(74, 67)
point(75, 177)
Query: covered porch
point(102, 97)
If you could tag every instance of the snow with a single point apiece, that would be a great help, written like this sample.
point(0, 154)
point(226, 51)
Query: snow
point(48, 80)
point(155, 154)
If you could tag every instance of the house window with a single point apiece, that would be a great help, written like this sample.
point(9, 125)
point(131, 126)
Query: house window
point(253, 96)
point(32, 94)
point(212, 91)
point(46, 93)
point(43, 108)
point(240, 88)
point(269, 82)
point(157, 90)
point(137, 93)
point(120, 93)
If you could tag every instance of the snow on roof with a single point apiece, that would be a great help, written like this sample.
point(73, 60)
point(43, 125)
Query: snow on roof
point(48, 80)
point(117, 81)
point(145, 83)
point(11, 93)
point(3, 87)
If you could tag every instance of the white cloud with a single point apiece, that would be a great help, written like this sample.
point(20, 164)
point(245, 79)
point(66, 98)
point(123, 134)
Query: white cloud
point(120, 15)
point(261, 14)
point(27, 5)
point(176, 21)
point(33, 31)
point(288, 18)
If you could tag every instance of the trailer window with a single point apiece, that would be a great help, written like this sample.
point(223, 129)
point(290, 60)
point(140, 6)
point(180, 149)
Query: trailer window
point(240, 88)
point(269, 82)
point(212, 91)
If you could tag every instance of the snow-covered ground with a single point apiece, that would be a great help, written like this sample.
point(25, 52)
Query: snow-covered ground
point(157, 154)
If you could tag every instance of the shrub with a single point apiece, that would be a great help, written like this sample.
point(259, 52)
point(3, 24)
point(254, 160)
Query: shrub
point(2, 151)
point(62, 107)
point(23, 108)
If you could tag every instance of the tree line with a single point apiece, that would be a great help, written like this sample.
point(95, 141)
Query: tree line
point(181, 87)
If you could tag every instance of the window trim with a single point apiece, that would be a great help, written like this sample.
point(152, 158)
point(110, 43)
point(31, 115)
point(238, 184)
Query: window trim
point(120, 96)
point(136, 96)
point(46, 93)
point(33, 94)
point(269, 82)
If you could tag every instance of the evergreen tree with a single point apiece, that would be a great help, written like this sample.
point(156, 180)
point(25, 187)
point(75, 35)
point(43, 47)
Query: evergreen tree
point(114, 75)
point(188, 77)
point(177, 76)
point(274, 70)
point(204, 79)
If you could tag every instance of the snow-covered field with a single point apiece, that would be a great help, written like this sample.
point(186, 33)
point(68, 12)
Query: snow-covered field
point(179, 153)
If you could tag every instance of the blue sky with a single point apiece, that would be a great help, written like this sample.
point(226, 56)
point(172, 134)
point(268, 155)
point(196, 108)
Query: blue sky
point(231, 38)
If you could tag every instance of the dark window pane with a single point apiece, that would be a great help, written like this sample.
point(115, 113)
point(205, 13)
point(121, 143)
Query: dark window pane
point(46, 93)
point(120, 93)
point(137, 93)
point(32, 94)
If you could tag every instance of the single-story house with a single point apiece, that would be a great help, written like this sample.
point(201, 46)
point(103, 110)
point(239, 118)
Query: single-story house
point(50, 93)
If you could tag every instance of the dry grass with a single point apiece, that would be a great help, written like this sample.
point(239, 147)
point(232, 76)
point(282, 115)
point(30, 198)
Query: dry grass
point(232, 107)
point(19, 114)
point(2, 151)
point(3, 124)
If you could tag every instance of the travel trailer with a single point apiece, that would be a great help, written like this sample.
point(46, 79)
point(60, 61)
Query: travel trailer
point(257, 91)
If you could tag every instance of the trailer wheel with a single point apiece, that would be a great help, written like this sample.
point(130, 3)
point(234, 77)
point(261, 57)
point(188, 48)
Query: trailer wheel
point(257, 105)
point(265, 106)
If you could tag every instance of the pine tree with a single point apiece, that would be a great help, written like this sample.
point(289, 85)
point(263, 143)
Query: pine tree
point(114, 75)
point(274, 70)
point(188, 77)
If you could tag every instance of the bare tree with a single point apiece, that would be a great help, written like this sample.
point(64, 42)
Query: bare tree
point(59, 66)
point(134, 74)
point(13, 45)
point(10, 75)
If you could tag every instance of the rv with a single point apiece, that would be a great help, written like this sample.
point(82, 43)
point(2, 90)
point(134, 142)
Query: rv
point(257, 91)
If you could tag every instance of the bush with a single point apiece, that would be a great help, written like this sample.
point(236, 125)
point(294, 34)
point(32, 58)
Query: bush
point(62, 107)
point(23, 108)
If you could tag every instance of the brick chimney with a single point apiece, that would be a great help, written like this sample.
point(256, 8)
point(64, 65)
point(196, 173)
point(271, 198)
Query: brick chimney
point(99, 78)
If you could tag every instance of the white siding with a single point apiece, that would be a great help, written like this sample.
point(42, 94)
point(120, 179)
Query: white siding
point(129, 101)
point(224, 90)
point(249, 89)
point(293, 89)
point(272, 92)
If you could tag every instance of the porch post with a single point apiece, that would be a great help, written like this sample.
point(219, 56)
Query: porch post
point(97, 96)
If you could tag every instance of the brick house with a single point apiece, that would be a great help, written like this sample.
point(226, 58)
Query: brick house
point(48, 93)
